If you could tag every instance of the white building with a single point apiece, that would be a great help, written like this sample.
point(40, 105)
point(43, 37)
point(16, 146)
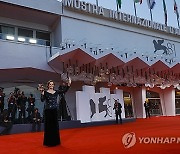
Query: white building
point(39, 40)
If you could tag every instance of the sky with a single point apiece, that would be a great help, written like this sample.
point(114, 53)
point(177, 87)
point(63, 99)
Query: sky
point(143, 11)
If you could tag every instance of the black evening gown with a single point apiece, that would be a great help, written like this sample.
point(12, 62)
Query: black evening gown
point(51, 126)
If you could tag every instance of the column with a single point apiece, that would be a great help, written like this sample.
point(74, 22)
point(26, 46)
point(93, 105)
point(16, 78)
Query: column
point(168, 102)
point(139, 97)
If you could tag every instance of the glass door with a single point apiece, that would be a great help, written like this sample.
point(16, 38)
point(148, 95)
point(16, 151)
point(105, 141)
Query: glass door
point(177, 102)
point(128, 105)
point(154, 101)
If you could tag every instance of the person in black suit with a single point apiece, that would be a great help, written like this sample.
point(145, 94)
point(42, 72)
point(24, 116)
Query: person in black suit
point(147, 109)
point(12, 107)
point(63, 114)
point(2, 95)
point(118, 111)
point(36, 120)
point(23, 105)
point(5, 123)
point(31, 105)
point(21, 102)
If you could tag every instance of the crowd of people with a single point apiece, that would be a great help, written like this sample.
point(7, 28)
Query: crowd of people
point(20, 109)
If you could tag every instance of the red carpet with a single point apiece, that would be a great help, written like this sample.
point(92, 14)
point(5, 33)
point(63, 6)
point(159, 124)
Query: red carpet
point(101, 140)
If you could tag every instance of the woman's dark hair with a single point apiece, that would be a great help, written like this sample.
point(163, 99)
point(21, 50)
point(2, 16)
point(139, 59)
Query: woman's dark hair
point(49, 83)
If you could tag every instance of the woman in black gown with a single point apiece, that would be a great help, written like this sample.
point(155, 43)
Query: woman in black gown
point(51, 127)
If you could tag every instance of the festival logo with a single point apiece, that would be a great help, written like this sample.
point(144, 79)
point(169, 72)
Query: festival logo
point(103, 106)
point(167, 51)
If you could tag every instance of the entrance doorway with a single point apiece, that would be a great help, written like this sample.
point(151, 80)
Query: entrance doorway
point(128, 107)
point(154, 101)
point(177, 101)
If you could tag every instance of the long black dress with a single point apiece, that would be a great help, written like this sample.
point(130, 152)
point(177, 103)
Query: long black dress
point(51, 126)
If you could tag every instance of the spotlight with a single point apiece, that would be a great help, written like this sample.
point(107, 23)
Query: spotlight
point(10, 37)
point(21, 39)
point(33, 41)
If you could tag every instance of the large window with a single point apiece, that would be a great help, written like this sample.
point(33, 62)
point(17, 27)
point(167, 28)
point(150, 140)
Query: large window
point(43, 38)
point(25, 32)
point(7, 30)
point(43, 35)
point(24, 35)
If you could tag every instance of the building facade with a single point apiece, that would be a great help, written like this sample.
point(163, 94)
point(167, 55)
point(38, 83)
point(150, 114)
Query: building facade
point(42, 40)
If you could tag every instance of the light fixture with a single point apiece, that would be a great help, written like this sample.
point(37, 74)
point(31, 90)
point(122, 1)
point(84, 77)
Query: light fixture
point(21, 39)
point(10, 37)
point(109, 84)
point(33, 41)
point(175, 85)
point(178, 87)
point(162, 86)
point(146, 84)
point(151, 85)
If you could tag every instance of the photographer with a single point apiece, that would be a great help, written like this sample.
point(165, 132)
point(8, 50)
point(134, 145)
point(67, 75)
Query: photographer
point(31, 105)
point(36, 120)
point(2, 95)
